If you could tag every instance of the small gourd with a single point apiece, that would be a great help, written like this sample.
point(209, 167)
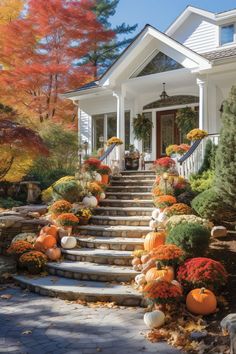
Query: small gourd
point(136, 261)
point(90, 201)
point(145, 258)
point(162, 217)
point(201, 302)
point(140, 279)
point(154, 319)
point(102, 196)
point(68, 242)
point(98, 177)
point(155, 213)
point(153, 224)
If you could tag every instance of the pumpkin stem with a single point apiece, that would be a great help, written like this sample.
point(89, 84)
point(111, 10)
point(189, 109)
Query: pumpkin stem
point(202, 290)
point(158, 265)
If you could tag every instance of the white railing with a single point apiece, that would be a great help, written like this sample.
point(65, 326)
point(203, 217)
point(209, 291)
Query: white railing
point(192, 161)
point(113, 158)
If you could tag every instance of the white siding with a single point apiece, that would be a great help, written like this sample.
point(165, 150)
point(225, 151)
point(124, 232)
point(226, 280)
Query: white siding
point(198, 33)
point(85, 124)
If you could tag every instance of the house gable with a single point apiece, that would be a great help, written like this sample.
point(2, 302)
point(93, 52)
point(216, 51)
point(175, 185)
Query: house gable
point(158, 63)
point(199, 30)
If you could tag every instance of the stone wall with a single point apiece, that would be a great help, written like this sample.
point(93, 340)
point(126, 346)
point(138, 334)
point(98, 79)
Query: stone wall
point(12, 225)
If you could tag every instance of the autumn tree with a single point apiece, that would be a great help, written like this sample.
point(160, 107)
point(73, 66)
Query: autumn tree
point(104, 53)
point(19, 146)
point(10, 10)
point(40, 62)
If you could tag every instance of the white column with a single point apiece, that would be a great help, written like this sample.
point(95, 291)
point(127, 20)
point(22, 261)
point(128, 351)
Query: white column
point(154, 136)
point(203, 123)
point(120, 111)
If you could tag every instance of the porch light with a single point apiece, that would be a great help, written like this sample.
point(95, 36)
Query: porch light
point(164, 95)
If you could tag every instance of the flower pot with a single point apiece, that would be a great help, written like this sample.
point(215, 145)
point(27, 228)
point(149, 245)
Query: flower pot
point(131, 164)
point(83, 221)
point(105, 179)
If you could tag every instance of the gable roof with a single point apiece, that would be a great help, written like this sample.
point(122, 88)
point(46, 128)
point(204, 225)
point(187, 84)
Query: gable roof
point(196, 10)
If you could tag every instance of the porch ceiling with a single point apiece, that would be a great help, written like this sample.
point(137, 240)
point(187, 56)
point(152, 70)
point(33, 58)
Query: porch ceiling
point(177, 79)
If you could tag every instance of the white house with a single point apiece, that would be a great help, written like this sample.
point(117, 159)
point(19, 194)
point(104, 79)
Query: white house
point(195, 58)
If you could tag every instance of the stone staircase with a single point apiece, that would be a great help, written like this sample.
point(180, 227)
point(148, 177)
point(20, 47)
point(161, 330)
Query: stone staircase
point(100, 270)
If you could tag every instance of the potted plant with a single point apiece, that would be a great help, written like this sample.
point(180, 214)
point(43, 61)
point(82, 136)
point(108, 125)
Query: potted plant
point(132, 159)
point(142, 128)
point(104, 171)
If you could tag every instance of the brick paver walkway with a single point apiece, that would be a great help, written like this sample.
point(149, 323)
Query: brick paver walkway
point(30, 323)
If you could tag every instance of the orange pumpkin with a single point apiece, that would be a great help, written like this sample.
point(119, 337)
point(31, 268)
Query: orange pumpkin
point(53, 253)
point(49, 230)
point(201, 301)
point(166, 274)
point(153, 240)
point(105, 179)
point(44, 242)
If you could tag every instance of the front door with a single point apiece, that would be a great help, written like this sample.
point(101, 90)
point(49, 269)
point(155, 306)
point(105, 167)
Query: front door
point(167, 131)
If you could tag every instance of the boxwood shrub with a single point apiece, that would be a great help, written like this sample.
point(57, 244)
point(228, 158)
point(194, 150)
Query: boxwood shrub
point(191, 237)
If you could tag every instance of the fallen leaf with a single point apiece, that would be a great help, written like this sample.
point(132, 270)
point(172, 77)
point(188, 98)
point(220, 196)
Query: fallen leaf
point(26, 332)
point(6, 296)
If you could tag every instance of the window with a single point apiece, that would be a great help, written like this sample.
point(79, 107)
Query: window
point(226, 34)
point(98, 130)
point(105, 126)
point(158, 64)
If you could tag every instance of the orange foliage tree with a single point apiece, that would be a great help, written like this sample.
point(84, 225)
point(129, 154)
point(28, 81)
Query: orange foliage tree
point(41, 62)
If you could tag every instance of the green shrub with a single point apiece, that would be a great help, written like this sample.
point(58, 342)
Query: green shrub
point(175, 220)
point(209, 157)
point(8, 203)
point(200, 183)
point(192, 238)
point(67, 188)
point(208, 204)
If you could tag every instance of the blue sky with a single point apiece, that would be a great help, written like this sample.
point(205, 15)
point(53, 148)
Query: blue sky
point(161, 13)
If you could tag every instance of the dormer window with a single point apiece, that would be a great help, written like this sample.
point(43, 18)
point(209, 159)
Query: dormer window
point(227, 34)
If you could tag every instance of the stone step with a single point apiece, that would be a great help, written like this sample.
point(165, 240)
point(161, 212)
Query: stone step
point(134, 177)
point(131, 189)
point(133, 182)
point(114, 231)
point(123, 211)
point(120, 220)
point(121, 258)
point(139, 172)
point(92, 271)
point(90, 291)
point(127, 203)
point(128, 195)
point(111, 243)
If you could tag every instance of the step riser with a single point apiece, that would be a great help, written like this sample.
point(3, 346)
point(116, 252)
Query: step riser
point(120, 261)
point(133, 183)
point(122, 212)
point(121, 196)
point(130, 189)
point(125, 300)
point(122, 203)
point(133, 178)
point(119, 222)
point(115, 233)
point(110, 246)
point(109, 277)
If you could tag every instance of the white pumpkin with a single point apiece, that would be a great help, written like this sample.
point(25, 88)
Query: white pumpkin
point(68, 242)
point(162, 217)
point(102, 196)
point(155, 213)
point(98, 177)
point(90, 202)
point(154, 319)
point(140, 279)
point(154, 224)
